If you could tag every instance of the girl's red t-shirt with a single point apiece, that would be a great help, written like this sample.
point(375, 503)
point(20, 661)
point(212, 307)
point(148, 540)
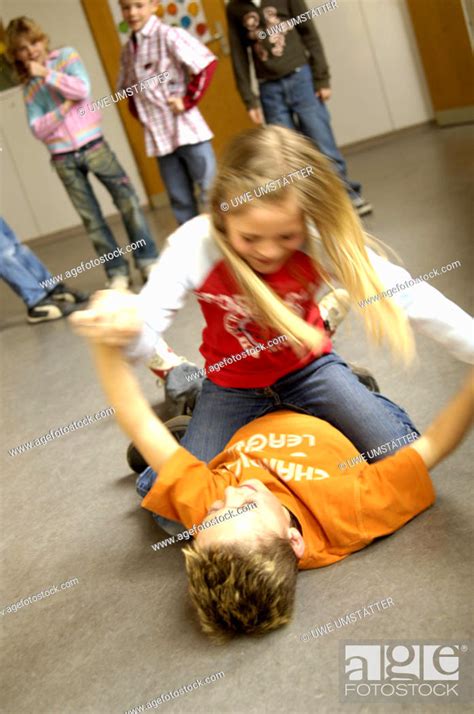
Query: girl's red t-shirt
point(237, 350)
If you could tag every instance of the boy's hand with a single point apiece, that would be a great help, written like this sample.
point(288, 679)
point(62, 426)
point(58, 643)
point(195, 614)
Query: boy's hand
point(256, 115)
point(35, 69)
point(111, 319)
point(176, 105)
point(324, 94)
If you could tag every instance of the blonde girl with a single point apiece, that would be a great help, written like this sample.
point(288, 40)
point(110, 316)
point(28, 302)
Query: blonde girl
point(56, 92)
point(280, 226)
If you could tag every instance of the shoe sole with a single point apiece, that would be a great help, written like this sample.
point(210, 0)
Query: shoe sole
point(69, 298)
point(365, 210)
point(45, 318)
point(122, 287)
point(65, 298)
point(365, 377)
point(177, 426)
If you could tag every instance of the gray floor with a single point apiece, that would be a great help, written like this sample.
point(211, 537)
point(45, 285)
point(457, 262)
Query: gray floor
point(125, 633)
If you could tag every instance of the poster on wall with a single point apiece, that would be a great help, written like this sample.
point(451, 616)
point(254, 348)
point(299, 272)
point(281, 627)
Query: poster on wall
point(182, 13)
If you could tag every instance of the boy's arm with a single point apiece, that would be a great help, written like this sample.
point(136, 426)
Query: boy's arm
point(450, 426)
point(197, 85)
point(124, 78)
point(240, 63)
point(313, 45)
point(395, 489)
point(132, 411)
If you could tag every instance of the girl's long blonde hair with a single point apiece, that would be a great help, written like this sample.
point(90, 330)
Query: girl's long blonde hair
point(18, 27)
point(261, 155)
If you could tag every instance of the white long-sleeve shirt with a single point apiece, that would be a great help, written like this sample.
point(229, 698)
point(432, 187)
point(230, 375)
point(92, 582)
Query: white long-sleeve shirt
point(192, 262)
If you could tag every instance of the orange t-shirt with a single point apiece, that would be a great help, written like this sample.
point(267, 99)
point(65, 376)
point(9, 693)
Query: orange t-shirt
point(297, 457)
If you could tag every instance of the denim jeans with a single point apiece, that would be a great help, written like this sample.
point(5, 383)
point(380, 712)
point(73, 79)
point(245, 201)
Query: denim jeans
point(291, 102)
point(326, 388)
point(20, 267)
point(180, 170)
point(100, 160)
point(143, 484)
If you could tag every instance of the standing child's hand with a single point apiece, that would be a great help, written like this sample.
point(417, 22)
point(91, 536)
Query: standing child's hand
point(111, 319)
point(256, 115)
point(324, 94)
point(176, 105)
point(36, 69)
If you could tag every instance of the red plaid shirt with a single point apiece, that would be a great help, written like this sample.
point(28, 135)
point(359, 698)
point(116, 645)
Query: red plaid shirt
point(161, 48)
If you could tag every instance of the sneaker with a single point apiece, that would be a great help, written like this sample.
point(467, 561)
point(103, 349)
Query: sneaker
point(333, 308)
point(146, 271)
point(365, 377)
point(62, 293)
point(48, 309)
point(164, 360)
point(118, 282)
point(362, 206)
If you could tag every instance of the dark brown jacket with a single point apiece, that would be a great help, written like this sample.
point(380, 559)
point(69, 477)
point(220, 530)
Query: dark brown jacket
point(278, 43)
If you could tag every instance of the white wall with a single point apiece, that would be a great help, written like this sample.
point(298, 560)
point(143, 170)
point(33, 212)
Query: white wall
point(376, 73)
point(34, 201)
point(377, 80)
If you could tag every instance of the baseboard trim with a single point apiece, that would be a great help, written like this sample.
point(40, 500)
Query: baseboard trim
point(382, 138)
point(459, 115)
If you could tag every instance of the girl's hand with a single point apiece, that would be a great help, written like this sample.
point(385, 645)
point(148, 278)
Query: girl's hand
point(35, 69)
point(111, 319)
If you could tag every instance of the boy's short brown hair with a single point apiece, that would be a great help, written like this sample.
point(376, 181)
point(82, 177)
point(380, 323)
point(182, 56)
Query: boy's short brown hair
point(237, 590)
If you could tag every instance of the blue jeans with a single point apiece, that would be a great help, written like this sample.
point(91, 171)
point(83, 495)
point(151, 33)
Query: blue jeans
point(291, 102)
point(180, 170)
point(102, 162)
point(143, 484)
point(326, 388)
point(20, 267)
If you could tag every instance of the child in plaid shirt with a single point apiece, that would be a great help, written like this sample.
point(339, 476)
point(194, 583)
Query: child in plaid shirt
point(175, 131)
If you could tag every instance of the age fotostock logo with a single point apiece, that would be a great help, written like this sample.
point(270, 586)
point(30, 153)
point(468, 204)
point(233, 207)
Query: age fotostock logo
point(405, 671)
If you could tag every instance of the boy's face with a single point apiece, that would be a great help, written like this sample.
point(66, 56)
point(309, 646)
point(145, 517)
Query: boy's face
point(269, 518)
point(267, 234)
point(137, 12)
point(29, 50)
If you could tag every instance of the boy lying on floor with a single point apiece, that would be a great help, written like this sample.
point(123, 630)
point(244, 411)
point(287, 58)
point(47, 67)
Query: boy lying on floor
point(310, 511)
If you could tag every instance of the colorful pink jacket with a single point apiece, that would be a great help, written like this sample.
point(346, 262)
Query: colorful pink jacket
point(62, 130)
